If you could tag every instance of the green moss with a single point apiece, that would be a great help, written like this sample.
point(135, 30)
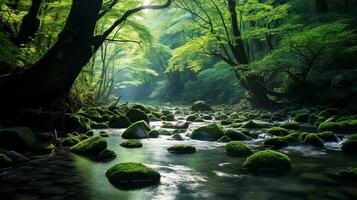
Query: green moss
point(348, 126)
point(250, 124)
point(207, 117)
point(182, 149)
point(119, 121)
point(350, 147)
point(237, 149)
point(302, 117)
point(137, 115)
point(224, 139)
point(348, 174)
point(278, 131)
point(313, 140)
point(235, 135)
point(191, 118)
point(276, 142)
point(353, 137)
point(153, 133)
point(132, 143)
point(90, 146)
point(292, 137)
point(302, 136)
point(71, 140)
point(267, 160)
point(170, 117)
point(106, 155)
point(290, 125)
point(100, 125)
point(132, 175)
point(210, 132)
point(138, 130)
point(226, 122)
point(5, 161)
point(328, 136)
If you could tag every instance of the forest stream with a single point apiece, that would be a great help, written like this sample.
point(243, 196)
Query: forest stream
point(208, 173)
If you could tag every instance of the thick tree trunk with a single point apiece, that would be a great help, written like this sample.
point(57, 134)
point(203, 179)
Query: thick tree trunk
point(53, 75)
point(321, 6)
point(30, 24)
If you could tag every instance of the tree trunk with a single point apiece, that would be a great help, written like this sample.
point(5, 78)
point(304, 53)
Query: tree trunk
point(53, 75)
point(30, 24)
point(321, 6)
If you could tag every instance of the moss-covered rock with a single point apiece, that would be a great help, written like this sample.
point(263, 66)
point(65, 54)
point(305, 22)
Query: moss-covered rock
point(106, 155)
point(210, 132)
point(348, 174)
point(5, 161)
point(207, 117)
point(70, 140)
point(73, 122)
point(313, 140)
point(153, 133)
point(250, 124)
point(132, 175)
point(292, 138)
point(182, 149)
point(137, 115)
point(224, 139)
point(176, 136)
point(350, 147)
point(119, 121)
point(290, 125)
point(200, 106)
point(101, 125)
point(237, 149)
point(191, 118)
point(132, 143)
point(352, 137)
point(90, 146)
point(328, 136)
point(267, 160)
point(345, 127)
point(235, 135)
point(278, 131)
point(276, 142)
point(226, 122)
point(138, 130)
point(170, 117)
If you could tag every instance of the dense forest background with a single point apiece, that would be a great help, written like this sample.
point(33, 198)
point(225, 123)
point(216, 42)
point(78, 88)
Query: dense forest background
point(221, 51)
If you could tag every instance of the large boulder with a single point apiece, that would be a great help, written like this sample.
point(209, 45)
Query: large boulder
point(210, 132)
point(138, 130)
point(73, 122)
point(276, 142)
point(90, 146)
point(200, 106)
point(313, 140)
point(137, 115)
point(119, 121)
point(235, 135)
point(132, 143)
point(132, 176)
point(267, 160)
point(278, 131)
point(344, 127)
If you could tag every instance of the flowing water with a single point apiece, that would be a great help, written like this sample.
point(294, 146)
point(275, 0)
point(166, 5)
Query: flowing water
point(206, 174)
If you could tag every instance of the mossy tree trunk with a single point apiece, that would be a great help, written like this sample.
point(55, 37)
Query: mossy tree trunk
point(53, 75)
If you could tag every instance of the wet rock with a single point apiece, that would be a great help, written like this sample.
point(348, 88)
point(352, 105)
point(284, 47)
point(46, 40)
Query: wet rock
point(349, 174)
point(71, 140)
point(132, 143)
point(100, 125)
point(290, 125)
point(191, 118)
point(328, 136)
point(132, 176)
point(224, 139)
point(235, 135)
point(313, 140)
point(266, 161)
point(153, 134)
point(73, 122)
point(200, 106)
point(136, 115)
point(137, 130)
point(176, 136)
point(91, 146)
point(237, 149)
point(182, 149)
point(106, 155)
point(276, 142)
point(210, 132)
